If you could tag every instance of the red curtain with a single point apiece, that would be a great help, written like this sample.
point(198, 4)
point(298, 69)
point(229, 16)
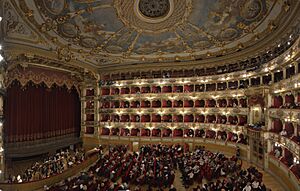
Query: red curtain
point(36, 112)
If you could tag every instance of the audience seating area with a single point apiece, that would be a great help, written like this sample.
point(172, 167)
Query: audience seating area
point(154, 167)
point(50, 166)
point(249, 179)
point(287, 158)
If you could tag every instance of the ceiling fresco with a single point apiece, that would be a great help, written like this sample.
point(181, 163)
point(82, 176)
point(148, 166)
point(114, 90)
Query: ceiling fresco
point(131, 31)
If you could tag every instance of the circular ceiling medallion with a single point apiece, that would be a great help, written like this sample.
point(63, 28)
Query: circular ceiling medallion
point(154, 16)
point(154, 8)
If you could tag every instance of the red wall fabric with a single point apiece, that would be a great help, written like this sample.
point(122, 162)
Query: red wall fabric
point(277, 101)
point(289, 99)
point(36, 112)
point(289, 128)
point(277, 125)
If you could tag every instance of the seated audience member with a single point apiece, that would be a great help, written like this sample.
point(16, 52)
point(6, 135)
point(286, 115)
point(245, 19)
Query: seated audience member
point(153, 168)
point(283, 132)
point(51, 165)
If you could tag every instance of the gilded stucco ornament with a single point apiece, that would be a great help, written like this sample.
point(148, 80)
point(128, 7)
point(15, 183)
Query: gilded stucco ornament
point(138, 32)
point(154, 16)
point(251, 9)
point(13, 26)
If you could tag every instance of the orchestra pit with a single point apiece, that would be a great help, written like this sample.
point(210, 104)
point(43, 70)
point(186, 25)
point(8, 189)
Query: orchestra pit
point(149, 95)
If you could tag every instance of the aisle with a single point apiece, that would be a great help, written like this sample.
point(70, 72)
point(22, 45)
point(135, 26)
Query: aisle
point(178, 181)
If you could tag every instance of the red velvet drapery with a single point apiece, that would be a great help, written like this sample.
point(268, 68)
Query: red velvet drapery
point(36, 112)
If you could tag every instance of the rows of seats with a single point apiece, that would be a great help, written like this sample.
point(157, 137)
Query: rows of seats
point(50, 166)
point(249, 179)
point(154, 167)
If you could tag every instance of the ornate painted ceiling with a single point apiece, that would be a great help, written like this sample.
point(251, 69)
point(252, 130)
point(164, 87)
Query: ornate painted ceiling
point(110, 33)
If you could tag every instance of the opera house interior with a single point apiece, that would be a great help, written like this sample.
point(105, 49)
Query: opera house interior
point(150, 95)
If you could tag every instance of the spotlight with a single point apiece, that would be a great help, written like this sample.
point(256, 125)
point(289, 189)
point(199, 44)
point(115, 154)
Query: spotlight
point(1, 58)
point(0, 19)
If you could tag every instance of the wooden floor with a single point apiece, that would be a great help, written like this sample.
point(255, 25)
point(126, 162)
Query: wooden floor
point(268, 179)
